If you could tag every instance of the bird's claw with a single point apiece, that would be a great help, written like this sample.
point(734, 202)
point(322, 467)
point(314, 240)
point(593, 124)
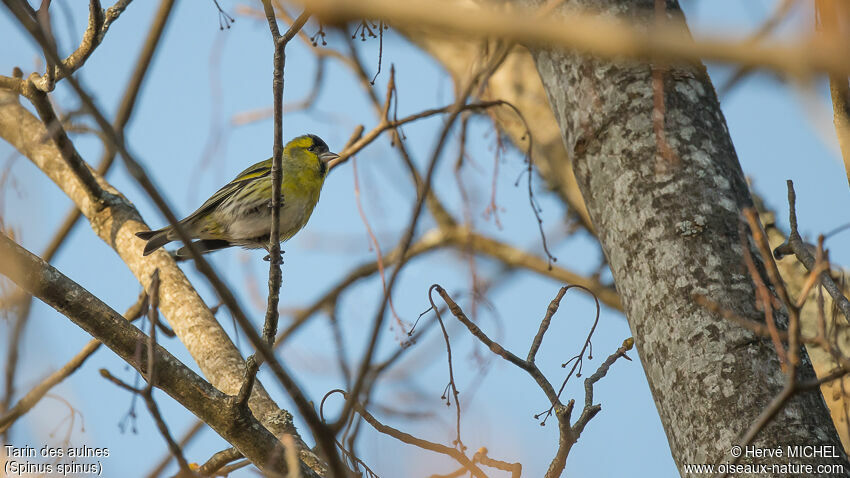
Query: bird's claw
point(279, 260)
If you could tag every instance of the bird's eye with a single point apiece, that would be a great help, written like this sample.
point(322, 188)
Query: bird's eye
point(312, 148)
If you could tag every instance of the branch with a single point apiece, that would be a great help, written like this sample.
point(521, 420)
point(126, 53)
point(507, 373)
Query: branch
point(795, 245)
point(185, 386)
point(827, 15)
point(589, 33)
point(568, 435)
point(403, 247)
point(412, 440)
point(387, 124)
point(38, 392)
point(218, 461)
point(463, 239)
point(187, 438)
point(91, 39)
point(324, 438)
point(57, 133)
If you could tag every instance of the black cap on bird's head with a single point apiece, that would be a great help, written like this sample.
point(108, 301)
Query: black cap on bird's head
point(318, 143)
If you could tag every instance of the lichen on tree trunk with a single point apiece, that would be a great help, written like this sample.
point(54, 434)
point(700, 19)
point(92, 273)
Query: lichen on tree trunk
point(669, 229)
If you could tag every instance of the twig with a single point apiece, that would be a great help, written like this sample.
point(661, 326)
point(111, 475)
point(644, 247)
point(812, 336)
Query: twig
point(184, 441)
point(452, 386)
point(589, 408)
point(147, 391)
point(57, 68)
point(23, 304)
point(218, 461)
point(828, 17)
point(659, 110)
point(112, 14)
point(795, 245)
point(291, 457)
point(779, 14)
point(793, 334)
point(386, 125)
point(38, 392)
point(765, 297)
point(568, 435)
point(156, 415)
point(63, 144)
point(544, 324)
point(410, 439)
point(515, 469)
point(437, 209)
point(403, 246)
point(358, 133)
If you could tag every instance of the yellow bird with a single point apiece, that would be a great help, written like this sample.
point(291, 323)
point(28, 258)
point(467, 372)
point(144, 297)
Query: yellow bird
point(239, 214)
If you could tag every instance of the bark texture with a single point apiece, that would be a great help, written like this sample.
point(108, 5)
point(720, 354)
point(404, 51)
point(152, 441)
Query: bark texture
point(669, 229)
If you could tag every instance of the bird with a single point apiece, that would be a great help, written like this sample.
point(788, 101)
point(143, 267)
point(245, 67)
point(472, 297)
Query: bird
point(239, 214)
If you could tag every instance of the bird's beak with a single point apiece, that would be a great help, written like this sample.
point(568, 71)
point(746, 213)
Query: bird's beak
point(328, 157)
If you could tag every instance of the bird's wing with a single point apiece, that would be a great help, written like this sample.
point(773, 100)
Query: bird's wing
point(257, 171)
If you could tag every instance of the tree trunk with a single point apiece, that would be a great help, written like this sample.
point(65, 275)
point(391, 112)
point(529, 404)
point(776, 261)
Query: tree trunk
point(668, 224)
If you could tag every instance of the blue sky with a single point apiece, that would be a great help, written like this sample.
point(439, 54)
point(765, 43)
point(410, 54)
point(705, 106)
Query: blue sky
point(203, 76)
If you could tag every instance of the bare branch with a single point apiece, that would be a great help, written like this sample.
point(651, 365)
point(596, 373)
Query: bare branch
point(87, 311)
point(412, 440)
point(38, 392)
point(603, 37)
point(795, 245)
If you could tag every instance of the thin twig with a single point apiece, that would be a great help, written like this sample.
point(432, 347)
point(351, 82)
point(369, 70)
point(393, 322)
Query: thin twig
point(28, 401)
point(568, 435)
point(412, 440)
point(795, 245)
point(452, 386)
point(190, 434)
point(218, 461)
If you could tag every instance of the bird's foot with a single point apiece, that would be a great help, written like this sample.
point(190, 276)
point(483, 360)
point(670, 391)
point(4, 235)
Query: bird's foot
point(279, 260)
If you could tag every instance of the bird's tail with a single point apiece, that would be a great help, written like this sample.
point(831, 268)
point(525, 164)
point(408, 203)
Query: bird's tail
point(156, 239)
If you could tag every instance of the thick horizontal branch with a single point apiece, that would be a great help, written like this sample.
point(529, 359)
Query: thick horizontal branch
point(590, 33)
